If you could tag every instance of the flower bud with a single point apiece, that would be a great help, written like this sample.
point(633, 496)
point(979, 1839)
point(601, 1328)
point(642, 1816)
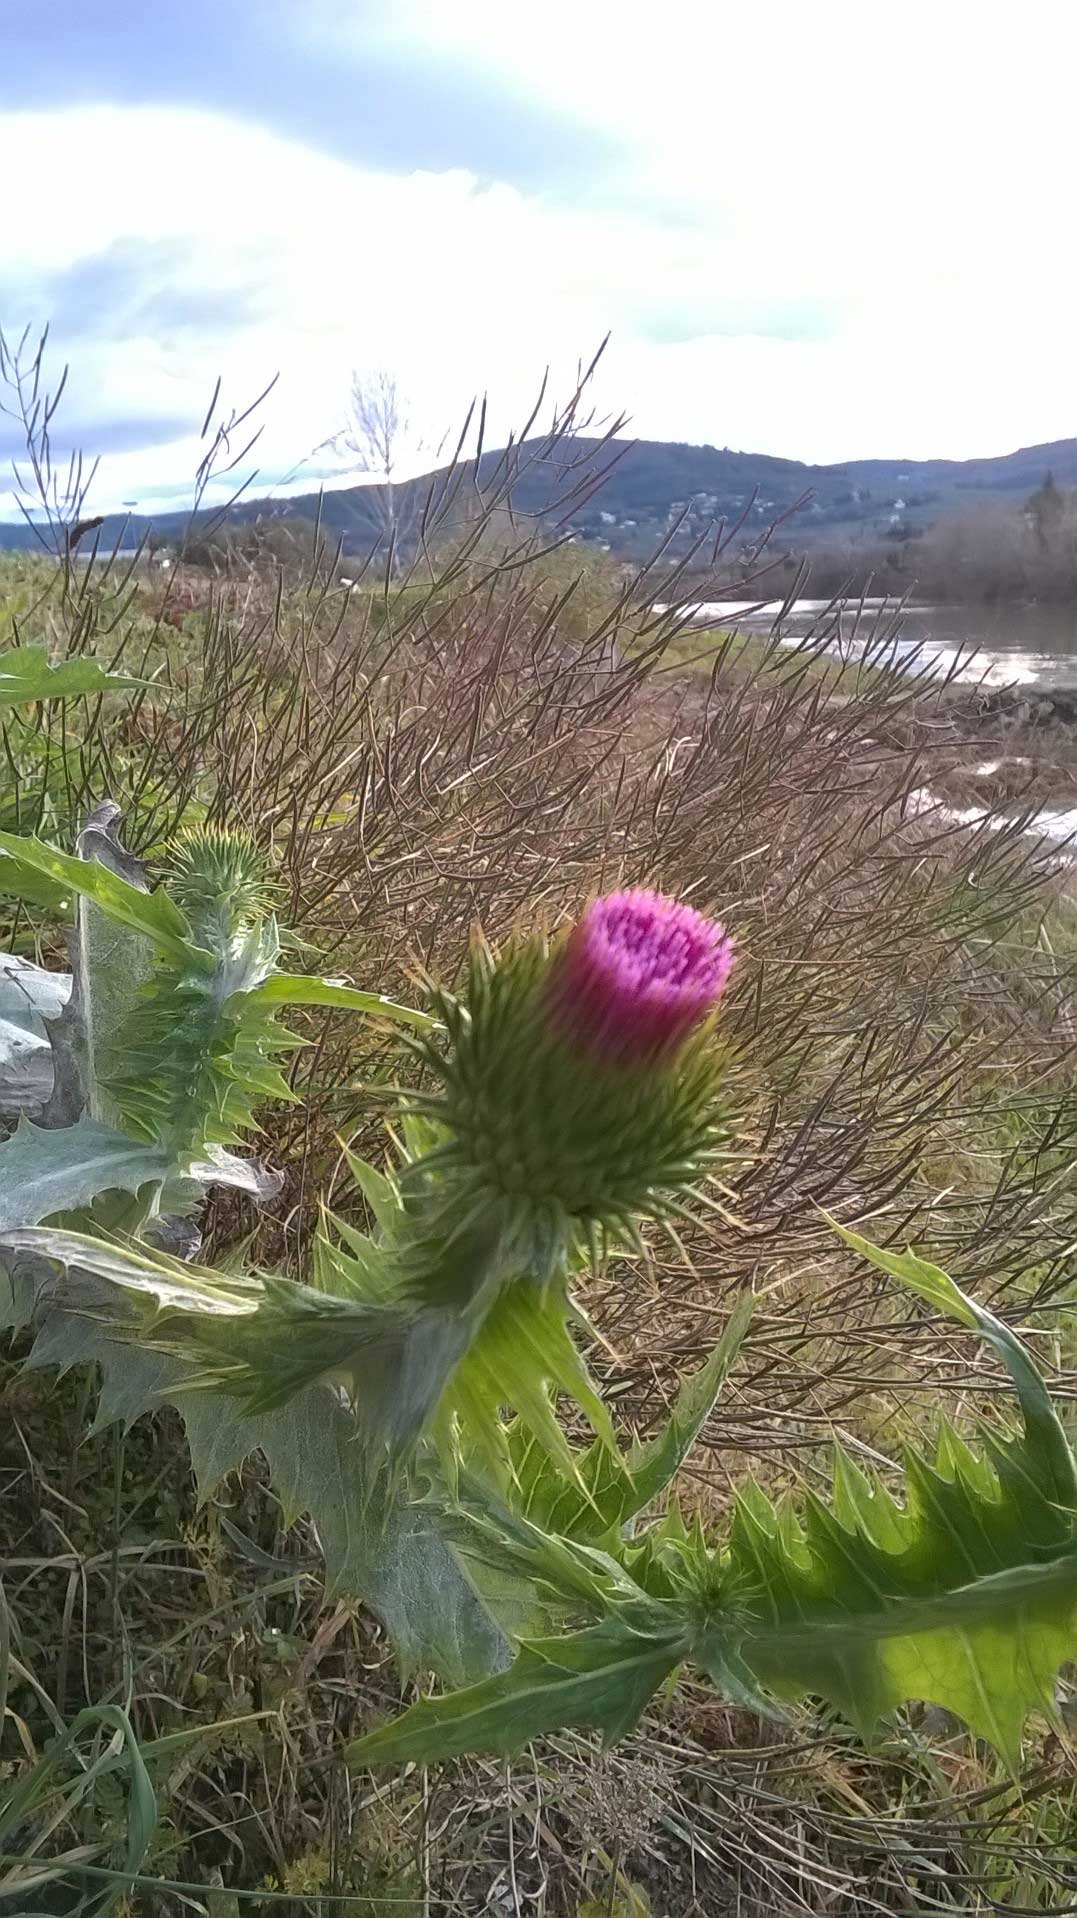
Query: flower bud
point(577, 1094)
point(638, 974)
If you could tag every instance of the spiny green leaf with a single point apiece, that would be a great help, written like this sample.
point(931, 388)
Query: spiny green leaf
point(112, 966)
point(264, 1341)
point(1043, 1426)
point(295, 989)
point(29, 993)
point(171, 1283)
point(351, 1265)
point(380, 1542)
point(988, 1651)
point(382, 1194)
point(603, 1678)
point(654, 1465)
point(605, 1490)
point(152, 913)
point(559, 1572)
point(502, 1344)
point(932, 1284)
point(197, 1056)
point(523, 1352)
point(242, 1175)
point(864, 1504)
point(34, 888)
point(27, 673)
point(966, 1595)
point(28, 997)
point(44, 1171)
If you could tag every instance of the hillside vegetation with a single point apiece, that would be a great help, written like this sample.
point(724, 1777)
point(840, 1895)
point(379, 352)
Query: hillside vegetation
point(1000, 552)
point(646, 494)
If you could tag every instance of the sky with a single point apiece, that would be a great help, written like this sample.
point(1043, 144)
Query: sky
point(829, 232)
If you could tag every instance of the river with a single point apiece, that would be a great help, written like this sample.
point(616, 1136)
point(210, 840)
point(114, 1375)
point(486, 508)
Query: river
point(1029, 647)
point(1033, 646)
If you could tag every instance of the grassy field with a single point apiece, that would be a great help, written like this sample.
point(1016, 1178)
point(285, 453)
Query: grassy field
point(494, 742)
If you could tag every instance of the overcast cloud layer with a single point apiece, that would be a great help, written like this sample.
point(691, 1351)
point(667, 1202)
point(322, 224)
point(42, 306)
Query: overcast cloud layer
point(826, 232)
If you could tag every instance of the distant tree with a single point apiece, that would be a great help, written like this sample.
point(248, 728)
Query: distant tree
point(1045, 508)
point(379, 437)
point(285, 540)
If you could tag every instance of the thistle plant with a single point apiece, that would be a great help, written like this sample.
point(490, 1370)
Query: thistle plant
point(150, 1055)
point(576, 1095)
point(570, 1100)
point(415, 1338)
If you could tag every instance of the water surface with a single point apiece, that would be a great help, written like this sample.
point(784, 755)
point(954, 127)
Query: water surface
point(1011, 645)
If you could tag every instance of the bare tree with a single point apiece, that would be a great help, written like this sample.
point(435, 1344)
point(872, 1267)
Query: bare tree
point(379, 435)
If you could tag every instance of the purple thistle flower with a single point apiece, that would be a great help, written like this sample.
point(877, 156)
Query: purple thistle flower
point(639, 972)
point(570, 1101)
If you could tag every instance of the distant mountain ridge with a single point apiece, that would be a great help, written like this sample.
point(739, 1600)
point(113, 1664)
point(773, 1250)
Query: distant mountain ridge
point(653, 484)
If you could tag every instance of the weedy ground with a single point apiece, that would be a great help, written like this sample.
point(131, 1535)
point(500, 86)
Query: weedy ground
point(492, 739)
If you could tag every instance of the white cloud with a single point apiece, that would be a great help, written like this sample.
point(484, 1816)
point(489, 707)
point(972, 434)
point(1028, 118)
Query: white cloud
point(833, 232)
point(454, 284)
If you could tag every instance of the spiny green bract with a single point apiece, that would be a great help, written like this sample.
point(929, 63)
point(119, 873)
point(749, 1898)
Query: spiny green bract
point(216, 873)
point(547, 1147)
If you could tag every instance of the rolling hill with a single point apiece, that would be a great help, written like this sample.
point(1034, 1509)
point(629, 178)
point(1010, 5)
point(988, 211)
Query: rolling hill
point(652, 484)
